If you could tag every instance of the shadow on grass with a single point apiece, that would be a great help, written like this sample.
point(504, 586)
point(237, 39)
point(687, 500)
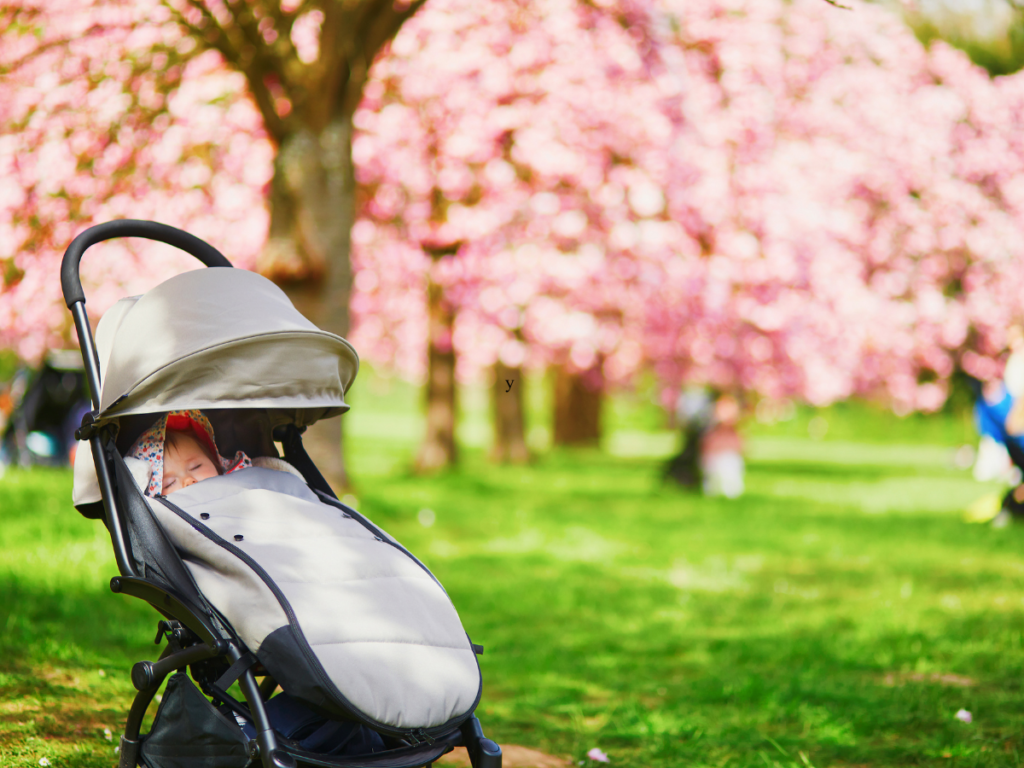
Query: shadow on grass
point(70, 626)
point(65, 656)
point(58, 710)
point(809, 469)
point(721, 677)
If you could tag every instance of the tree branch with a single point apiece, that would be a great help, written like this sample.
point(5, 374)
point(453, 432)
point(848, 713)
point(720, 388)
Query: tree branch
point(214, 36)
point(278, 59)
point(61, 42)
point(374, 24)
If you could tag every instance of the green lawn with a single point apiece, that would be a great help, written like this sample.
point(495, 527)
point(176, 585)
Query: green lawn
point(839, 614)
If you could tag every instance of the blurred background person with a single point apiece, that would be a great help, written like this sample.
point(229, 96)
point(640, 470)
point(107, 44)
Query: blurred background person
point(694, 411)
point(999, 416)
point(721, 451)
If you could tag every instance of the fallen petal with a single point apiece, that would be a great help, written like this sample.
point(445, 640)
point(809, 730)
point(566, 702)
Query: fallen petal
point(963, 716)
point(598, 755)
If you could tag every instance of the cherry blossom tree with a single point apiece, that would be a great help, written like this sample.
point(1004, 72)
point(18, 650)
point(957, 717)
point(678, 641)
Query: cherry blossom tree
point(774, 198)
point(148, 133)
point(500, 126)
point(860, 233)
point(92, 88)
point(771, 197)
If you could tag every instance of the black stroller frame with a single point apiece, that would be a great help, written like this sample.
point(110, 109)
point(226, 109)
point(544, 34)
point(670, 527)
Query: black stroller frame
point(197, 637)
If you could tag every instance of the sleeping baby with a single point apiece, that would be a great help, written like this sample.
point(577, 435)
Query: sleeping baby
point(179, 450)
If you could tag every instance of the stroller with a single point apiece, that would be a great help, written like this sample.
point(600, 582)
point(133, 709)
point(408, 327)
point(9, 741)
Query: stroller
point(47, 411)
point(258, 574)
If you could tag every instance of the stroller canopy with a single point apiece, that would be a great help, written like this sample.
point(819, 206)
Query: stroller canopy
point(215, 339)
point(219, 338)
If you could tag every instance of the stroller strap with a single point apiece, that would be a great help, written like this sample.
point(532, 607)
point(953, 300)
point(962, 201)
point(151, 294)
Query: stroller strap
point(235, 671)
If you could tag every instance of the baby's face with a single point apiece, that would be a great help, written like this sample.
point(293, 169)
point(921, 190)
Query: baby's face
point(185, 463)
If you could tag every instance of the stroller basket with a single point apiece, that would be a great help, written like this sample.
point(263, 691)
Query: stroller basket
point(258, 573)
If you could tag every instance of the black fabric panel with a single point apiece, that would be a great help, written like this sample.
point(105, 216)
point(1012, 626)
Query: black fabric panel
point(242, 429)
point(189, 732)
point(155, 557)
point(281, 652)
point(130, 427)
point(91, 511)
point(407, 757)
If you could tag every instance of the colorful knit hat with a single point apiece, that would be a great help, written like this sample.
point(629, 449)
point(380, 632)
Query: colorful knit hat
point(150, 446)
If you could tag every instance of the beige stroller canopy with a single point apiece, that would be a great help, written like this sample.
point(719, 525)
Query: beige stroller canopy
point(213, 339)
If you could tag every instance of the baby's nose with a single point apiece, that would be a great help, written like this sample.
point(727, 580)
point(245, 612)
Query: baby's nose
point(186, 482)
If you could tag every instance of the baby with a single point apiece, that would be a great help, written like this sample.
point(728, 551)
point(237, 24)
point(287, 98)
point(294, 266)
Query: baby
point(186, 461)
point(179, 450)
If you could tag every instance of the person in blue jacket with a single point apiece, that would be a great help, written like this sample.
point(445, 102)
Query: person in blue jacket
point(999, 417)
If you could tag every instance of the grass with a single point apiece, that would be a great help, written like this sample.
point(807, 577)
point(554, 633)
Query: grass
point(839, 614)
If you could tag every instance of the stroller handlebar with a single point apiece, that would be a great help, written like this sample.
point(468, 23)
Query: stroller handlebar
point(74, 297)
point(71, 283)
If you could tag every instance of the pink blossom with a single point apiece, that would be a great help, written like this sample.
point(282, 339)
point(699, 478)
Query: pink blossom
point(90, 149)
point(759, 195)
point(718, 210)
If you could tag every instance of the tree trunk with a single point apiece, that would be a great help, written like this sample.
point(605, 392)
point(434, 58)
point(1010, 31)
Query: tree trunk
point(507, 398)
point(439, 449)
point(307, 109)
point(577, 407)
point(312, 208)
